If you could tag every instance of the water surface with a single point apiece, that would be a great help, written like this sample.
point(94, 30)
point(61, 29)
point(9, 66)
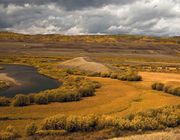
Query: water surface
point(31, 81)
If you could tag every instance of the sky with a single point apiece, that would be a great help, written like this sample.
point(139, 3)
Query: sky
point(79, 17)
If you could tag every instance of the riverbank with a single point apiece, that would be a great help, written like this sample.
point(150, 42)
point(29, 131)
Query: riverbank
point(4, 77)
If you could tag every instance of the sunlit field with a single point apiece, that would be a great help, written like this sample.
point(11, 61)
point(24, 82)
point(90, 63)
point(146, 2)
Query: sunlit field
point(111, 92)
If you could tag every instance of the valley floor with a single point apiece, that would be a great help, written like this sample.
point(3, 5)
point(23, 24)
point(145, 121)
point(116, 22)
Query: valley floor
point(114, 97)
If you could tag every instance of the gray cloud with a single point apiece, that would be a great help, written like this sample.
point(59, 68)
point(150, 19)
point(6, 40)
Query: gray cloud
point(155, 17)
point(68, 4)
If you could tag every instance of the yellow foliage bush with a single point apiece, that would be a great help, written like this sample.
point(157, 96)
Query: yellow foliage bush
point(9, 134)
point(149, 120)
point(4, 101)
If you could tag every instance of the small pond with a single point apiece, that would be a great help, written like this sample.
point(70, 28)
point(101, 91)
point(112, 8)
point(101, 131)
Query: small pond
point(31, 81)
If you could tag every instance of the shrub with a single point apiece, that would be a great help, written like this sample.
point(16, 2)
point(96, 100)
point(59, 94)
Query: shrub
point(9, 134)
point(153, 86)
point(130, 75)
point(88, 123)
point(81, 123)
point(170, 120)
point(70, 123)
point(104, 121)
point(130, 78)
point(144, 123)
point(166, 88)
point(51, 132)
point(70, 71)
point(114, 75)
point(172, 90)
point(105, 74)
point(4, 101)
point(148, 120)
point(176, 91)
point(21, 100)
point(94, 74)
point(74, 71)
point(11, 129)
point(59, 97)
point(31, 98)
point(156, 119)
point(137, 78)
point(50, 97)
point(134, 78)
point(71, 96)
point(86, 91)
point(157, 86)
point(67, 96)
point(74, 88)
point(6, 136)
point(31, 129)
point(41, 99)
point(96, 84)
point(122, 77)
point(54, 123)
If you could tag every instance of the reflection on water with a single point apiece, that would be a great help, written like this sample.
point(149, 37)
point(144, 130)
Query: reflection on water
point(31, 81)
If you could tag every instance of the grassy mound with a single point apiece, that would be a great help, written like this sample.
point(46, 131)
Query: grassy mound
point(82, 64)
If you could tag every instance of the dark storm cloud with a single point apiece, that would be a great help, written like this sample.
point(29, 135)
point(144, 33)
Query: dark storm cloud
point(68, 4)
point(149, 17)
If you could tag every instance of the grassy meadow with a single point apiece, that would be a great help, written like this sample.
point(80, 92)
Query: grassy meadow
point(113, 98)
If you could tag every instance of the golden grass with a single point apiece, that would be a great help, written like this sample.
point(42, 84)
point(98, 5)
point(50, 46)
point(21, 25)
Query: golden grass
point(115, 98)
point(160, 77)
point(20, 125)
point(173, 83)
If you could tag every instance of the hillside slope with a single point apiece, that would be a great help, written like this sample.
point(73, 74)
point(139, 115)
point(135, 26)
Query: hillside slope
point(82, 64)
point(93, 43)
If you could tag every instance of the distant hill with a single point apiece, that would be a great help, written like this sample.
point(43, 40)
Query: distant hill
point(98, 43)
point(10, 36)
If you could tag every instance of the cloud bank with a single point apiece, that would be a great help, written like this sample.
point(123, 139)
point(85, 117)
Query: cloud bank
point(146, 17)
